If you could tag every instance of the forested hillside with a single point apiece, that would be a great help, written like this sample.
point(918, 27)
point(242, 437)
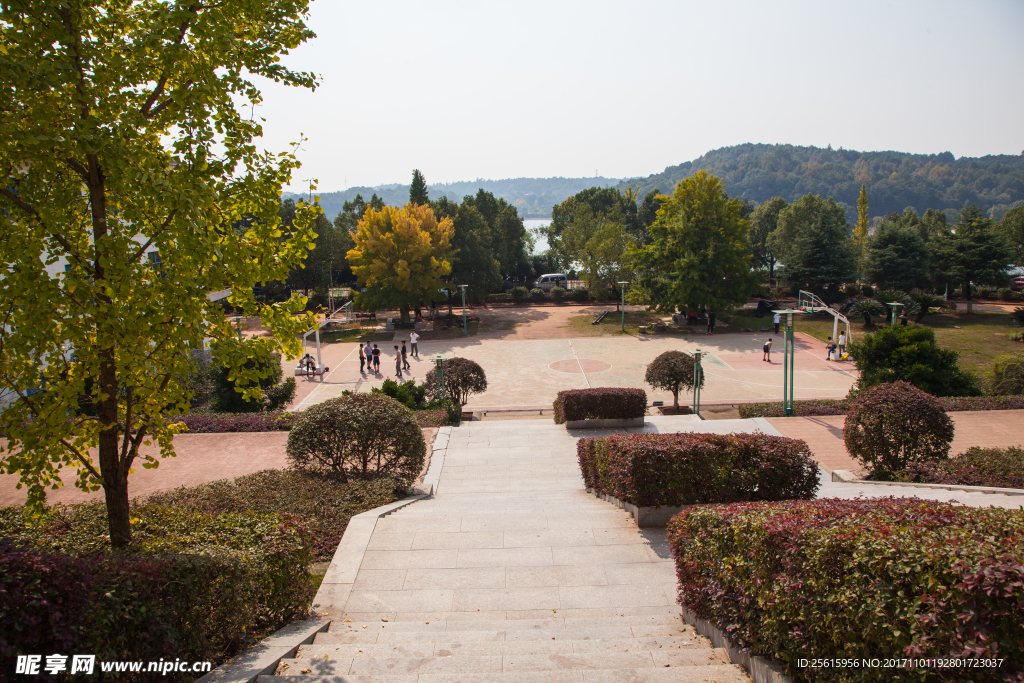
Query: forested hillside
point(532, 197)
point(894, 180)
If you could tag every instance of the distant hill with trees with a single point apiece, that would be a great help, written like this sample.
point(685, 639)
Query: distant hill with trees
point(532, 197)
point(895, 180)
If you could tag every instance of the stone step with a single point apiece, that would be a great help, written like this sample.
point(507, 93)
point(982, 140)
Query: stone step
point(461, 664)
point(443, 648)
point(720, 673)
point(665, 620)
point(381, 636)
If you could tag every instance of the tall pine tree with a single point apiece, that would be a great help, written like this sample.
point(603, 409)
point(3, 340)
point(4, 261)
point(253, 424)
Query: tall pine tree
point(860, 231)
point(418, 189)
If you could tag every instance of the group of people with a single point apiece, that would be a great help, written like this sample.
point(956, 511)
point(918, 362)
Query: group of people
point(369, 356)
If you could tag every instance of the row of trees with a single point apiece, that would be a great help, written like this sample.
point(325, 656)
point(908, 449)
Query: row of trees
point(696, 248)
point(905, 252)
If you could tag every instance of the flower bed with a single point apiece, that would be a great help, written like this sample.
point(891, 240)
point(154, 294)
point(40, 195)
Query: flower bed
point(606, 403)
point(827, 406)
point(649, 470)
point(859, 579)
point(999, 467)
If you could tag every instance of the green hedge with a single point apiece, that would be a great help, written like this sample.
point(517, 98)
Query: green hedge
point(687, 469)
point(859, 579)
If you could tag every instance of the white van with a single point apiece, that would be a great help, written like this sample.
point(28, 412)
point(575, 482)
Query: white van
point(550, 281)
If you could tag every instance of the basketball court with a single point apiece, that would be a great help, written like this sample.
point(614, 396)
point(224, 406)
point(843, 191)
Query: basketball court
point(527, 373)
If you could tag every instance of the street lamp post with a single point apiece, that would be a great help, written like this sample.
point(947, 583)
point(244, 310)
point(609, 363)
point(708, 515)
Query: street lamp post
point(465, 329)
point(439, 359)
point(697, 372)
point(622, 286)
point(895, 311)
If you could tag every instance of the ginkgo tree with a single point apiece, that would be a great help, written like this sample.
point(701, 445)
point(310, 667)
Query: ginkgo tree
point(402, 255)
point(128, 161)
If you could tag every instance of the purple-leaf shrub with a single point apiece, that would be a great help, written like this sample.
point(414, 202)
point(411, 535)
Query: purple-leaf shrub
point(605, 403)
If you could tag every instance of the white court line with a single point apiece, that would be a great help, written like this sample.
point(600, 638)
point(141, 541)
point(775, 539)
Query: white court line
point(324, 380)
point(585, 378)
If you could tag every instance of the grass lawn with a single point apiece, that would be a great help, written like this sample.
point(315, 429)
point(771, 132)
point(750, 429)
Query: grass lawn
point(978, 338)
point(612, 323)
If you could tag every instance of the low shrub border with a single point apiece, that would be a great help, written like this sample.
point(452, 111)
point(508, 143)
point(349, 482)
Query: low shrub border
point(654, 470)
point(606, 403)
point(994, 467)
point(897, 577)
point(827, 406)
point(211, 423)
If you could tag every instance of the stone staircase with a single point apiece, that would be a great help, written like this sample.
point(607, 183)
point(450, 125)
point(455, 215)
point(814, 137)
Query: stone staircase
point(632, 648)
point(511, 573)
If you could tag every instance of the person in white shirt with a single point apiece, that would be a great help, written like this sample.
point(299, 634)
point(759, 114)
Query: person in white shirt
point(777, 319)
point(414, 345)
point(842, 344)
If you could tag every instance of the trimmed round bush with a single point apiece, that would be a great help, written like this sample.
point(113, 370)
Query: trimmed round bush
point(580, 294)
point(890, 426)
point(557, 294)
point(462, 378)
point(356, 437)
point(520, 294)
point(536, 294)
point(1006, 376)
point(672, 371)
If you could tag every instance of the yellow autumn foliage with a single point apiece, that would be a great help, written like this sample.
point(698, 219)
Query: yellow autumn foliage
point(402, 255)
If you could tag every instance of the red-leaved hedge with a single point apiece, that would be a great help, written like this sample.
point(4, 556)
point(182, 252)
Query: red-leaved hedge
point(886, 579)
point(829, 406)
point(202, 607)
point(209, 423)
point(687, 469)
point(603, 403)
point(998, 467)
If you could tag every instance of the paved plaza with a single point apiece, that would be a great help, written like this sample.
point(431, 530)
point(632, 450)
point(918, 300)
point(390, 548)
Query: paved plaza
point(531, 372)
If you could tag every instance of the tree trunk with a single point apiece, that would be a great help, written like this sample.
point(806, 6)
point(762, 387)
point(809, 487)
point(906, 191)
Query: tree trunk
point(921, 314)
point(404, 313)
point(115, 481)
point(967, 295)
point(675, 400)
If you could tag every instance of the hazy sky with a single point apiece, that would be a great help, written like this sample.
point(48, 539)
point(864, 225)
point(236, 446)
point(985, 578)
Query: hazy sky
point(497, 90)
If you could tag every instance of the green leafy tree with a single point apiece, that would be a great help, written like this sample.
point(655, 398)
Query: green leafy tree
point(1012, 227)
point(910, 354)
point(699, 256)
point(975, 253)
point(418, 190)
point(896, 258)
point(812, 241)
point(596, 244)
point(474, 263)
point(763, 221)
point(508, 238)
point(128, 161)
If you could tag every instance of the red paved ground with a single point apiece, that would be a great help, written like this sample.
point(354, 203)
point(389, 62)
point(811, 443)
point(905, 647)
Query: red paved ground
point(987, 429)
point(200, 458)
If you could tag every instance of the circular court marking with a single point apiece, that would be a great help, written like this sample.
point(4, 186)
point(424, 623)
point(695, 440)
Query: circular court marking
point(574, 365)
